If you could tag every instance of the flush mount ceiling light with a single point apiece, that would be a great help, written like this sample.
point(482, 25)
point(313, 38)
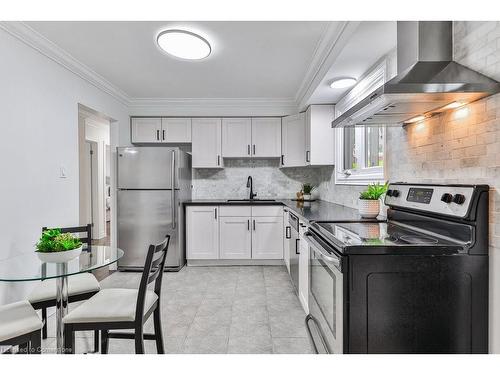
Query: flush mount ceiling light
point(183, 44)
point(342, 83)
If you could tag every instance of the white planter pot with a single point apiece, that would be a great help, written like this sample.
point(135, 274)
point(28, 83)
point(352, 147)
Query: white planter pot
point(307, 197)
point(60, 256)
point(368, 209)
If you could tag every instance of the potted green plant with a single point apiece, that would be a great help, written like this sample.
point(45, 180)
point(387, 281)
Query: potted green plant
point(56, 247)
point(307, 190)
point(369, 200)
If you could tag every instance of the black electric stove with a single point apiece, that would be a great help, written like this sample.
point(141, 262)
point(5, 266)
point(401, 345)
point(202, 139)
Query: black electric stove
point(414, 283)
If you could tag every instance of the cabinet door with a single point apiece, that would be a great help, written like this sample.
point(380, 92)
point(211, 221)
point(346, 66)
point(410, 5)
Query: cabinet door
point(304, 274)
point(202, 232)
point(266, 137)
point(267, 237)
point(235, 237)
point(146, 130)
point(293, 141)
point(176, 130)
point(236, 137)
point(206, 147)
point(286, 239)
point(320, 135)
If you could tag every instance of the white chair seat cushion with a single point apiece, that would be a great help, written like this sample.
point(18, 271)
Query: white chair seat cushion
point(77, 284)
point(110, 305)
point(17, 319)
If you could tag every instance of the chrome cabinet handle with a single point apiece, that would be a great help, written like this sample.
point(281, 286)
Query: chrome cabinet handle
point(248, 224)
point(215, 213)
point(163, 134)
point(254, 149)
point(288, 232)
point(157, 135)
point(297, 246)
point(218, 159)
point(248, 149)
point(282, 159)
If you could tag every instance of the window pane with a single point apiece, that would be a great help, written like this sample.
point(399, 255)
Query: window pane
point(350, 156)
point(374, 147)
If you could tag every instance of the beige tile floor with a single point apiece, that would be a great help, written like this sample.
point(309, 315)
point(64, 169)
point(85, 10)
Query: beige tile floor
point(248, 309)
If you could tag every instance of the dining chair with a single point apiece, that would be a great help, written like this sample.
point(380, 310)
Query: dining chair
point(119, 309)
point(21, 325)
point(80, 286)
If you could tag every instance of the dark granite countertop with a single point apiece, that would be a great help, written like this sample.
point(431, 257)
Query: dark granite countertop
point(310, 211)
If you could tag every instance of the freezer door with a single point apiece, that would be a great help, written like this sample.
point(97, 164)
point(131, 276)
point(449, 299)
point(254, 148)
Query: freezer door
point(145, 167)
point(144, 218)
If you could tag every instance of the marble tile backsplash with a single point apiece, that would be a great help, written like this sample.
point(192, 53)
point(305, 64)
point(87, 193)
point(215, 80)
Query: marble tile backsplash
point(269, 181)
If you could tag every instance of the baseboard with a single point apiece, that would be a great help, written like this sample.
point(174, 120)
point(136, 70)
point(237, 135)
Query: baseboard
point(234, 262)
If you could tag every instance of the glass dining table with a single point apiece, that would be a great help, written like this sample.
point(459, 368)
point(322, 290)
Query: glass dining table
point(27, 267)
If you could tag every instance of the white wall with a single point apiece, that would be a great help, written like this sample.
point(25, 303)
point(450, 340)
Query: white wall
point(39, 131)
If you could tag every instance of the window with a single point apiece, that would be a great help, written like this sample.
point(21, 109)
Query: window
point(360, 158)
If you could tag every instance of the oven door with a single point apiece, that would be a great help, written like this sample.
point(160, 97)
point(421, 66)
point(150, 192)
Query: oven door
point(325, 320)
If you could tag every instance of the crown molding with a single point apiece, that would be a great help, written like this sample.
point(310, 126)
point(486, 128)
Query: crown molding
point(47, 48)
point(327, 51)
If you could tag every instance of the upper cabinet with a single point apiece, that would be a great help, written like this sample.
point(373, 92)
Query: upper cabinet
point(146, 130)
point(207, 143)
point(251, 137)
point(266, 137)
point(236, 137)
point(319, 135)
point(293, 144)
point(307, 138)
point(176, 130)
point(160, 130)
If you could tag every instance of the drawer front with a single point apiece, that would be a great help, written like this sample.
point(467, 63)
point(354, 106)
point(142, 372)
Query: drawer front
point(267, 210)
point(235, 211)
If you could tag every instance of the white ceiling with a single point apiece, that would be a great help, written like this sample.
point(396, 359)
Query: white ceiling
point(371, 41)
point(249, 59)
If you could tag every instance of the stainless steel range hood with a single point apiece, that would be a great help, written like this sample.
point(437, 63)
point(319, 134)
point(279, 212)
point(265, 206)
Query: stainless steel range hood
point(428, 80)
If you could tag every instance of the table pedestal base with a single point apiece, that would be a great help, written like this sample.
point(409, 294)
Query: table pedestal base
point(61, 305)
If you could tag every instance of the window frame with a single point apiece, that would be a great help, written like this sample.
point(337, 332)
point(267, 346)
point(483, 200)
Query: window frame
point(376, 77)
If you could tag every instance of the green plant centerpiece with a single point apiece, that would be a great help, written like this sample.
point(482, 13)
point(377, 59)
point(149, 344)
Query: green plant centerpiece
point(369, 200)
point(57, 247)
point(307, 190)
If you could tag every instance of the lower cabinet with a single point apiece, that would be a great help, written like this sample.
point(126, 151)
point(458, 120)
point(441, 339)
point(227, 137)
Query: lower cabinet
point(232, 232)
point(303, 269)
point(267, 238)
point(235, 238)
point(286, 240)
point(202, 232)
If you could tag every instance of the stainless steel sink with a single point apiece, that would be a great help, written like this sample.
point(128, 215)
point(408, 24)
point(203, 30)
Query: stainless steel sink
point(252, 200)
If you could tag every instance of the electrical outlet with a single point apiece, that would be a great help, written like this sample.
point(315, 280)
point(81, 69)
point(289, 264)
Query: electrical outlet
point(62, 172)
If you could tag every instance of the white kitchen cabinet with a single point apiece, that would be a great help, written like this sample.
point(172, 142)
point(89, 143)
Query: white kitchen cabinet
point(303, 268)
point(319, 135)
point(236, 137)
point(286, 240)
point(293, 143)
point(266, 137)
point(146, 130)
point(235, 237)
point(206, 143)
point(176, 130)
point(267, 237)
point(202, 232)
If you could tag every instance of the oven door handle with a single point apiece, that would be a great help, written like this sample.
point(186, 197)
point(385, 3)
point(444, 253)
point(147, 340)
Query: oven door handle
point(316, 246)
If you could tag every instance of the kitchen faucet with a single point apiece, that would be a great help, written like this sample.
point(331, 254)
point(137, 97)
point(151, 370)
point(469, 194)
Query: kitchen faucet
point(250, 185)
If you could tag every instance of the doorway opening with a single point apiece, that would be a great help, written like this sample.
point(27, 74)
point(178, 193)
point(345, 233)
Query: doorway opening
point(95, 173)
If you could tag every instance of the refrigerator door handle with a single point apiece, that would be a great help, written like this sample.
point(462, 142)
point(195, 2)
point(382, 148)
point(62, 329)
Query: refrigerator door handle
point(172, 178)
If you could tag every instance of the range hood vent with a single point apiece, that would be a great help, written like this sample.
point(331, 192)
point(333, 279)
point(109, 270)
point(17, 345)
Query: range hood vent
point(428, 80)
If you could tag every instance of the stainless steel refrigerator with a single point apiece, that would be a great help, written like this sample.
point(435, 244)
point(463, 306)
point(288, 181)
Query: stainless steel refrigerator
point(152, 184)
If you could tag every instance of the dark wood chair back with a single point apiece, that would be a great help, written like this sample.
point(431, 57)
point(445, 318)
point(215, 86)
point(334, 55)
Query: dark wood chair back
point(153, 271)
point(87, 240)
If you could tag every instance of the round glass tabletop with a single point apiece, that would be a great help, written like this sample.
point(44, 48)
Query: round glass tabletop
point(27, 267)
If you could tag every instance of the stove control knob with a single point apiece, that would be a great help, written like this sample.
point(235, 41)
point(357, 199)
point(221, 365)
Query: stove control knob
point(395, 193)
point(389, 193)
point(447, 197)
point(459, 199)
